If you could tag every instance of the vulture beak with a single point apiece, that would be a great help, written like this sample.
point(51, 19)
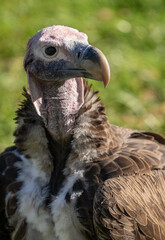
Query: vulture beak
point(95, 65)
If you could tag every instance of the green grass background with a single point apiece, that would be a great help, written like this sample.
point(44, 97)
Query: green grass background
point(131, 33)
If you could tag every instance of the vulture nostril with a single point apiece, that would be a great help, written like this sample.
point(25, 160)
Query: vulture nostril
point(78, 54)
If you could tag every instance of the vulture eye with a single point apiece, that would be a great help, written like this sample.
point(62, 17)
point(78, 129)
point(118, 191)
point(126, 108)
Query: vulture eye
point(50, 51)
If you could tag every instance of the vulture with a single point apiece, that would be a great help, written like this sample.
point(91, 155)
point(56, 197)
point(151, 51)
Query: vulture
point(71, 175)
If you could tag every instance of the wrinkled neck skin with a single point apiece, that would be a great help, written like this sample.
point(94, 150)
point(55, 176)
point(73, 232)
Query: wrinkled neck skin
point(57, 104)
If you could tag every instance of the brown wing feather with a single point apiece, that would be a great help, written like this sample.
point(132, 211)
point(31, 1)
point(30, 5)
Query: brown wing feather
point(137, 153)
point(8, 174)
point(130, 204)
point(131, 207)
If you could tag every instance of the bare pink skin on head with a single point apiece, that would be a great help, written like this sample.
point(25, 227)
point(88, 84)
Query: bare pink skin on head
point(62, 34)
point(55, 80)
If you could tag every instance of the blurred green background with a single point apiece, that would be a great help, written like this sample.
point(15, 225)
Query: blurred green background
point(130, 33)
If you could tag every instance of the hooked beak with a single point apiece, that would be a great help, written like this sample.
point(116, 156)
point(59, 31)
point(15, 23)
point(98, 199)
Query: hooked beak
point(95, 65)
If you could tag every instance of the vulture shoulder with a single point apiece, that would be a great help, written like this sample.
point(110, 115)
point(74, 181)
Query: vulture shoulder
point(136, 152)
point(130, 203)
point(8, 189)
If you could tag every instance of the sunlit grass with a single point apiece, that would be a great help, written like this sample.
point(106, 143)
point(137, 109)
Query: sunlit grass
point(130, 33)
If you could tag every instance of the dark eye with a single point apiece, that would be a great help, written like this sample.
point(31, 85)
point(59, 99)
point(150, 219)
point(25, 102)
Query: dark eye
point(50, 51)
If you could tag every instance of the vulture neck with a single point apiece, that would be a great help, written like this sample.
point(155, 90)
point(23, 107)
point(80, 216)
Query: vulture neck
point(90, 136)
point(59, 105)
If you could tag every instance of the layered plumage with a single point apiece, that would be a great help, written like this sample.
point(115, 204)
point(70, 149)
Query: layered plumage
point(72, 175)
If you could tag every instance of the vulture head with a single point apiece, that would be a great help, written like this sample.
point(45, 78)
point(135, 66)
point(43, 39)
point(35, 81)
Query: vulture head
point(56, 59)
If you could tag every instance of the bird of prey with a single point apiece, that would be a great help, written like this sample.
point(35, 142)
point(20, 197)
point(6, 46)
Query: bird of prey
point(71, 175)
